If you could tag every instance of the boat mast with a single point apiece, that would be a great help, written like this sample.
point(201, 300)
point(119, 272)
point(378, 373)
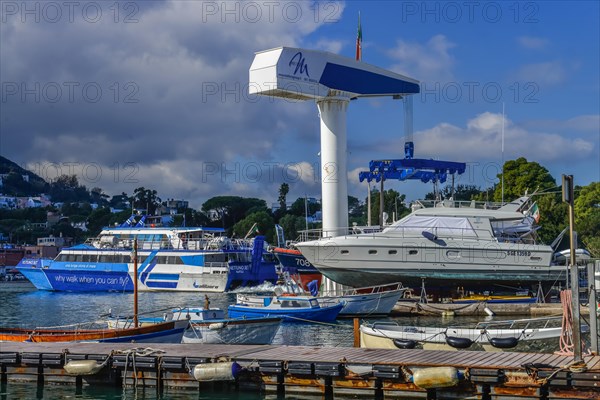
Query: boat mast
point(135, 283)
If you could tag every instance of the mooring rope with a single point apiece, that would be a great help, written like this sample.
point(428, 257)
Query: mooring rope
point(567, 346)
point(140, 352)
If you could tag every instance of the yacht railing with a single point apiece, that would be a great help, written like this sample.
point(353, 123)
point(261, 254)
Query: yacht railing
point(406, 231)
point(485, 205)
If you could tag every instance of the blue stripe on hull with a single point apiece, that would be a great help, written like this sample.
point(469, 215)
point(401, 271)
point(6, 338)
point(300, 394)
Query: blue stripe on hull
point(322, 315)
point(170, 336)
point(161, 285)
point(89, 281)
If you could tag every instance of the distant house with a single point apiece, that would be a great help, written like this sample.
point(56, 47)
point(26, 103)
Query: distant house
point(8, 202)
point(33, 203)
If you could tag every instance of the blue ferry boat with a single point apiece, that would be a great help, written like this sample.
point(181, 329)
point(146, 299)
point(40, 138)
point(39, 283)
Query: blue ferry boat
point(171, 259)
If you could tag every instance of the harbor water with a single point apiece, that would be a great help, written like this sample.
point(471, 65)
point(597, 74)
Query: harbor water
point(25, 306)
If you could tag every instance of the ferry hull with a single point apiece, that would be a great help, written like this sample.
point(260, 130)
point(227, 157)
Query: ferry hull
point(55, 276)
point(247, 275)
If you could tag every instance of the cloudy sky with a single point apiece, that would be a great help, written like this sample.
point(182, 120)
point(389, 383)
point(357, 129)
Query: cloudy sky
point(154, 93)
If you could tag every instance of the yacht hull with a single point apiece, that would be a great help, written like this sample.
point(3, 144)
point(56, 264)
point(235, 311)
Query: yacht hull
point(363, 261)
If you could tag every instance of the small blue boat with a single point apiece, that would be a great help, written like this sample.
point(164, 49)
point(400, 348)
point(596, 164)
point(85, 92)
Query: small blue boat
point(289, 308)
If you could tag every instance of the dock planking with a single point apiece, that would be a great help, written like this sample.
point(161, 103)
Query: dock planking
point(349, 355)
point(309, 370)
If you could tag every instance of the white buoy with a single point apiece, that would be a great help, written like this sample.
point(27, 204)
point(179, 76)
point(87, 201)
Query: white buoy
point(438, 377)
point(489, 312)
point(223, 371)
point(216, 326)
point(83, 367)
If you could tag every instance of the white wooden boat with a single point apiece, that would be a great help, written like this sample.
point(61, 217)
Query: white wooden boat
point(211, 326)
point(372, 300)
point(490, 335)
point(367, 301)
point(292, 308)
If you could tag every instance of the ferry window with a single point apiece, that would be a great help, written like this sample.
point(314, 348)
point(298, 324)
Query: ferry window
point(372, 251)
point(344, 252)
point(79, 257)
point(62, 257)
point(103, 258)
point(413, 252)
point(392, 252)
point(71, 257)
point(86, 258)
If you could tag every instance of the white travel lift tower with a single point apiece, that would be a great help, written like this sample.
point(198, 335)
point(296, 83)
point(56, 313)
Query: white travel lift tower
point(331, 81)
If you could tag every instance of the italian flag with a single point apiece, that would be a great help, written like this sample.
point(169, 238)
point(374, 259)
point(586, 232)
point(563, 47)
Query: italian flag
point(535, 212)
point(359, 41)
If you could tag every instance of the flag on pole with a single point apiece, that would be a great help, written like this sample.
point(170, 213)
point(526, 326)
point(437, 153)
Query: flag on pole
point(534, 212)
point(359, 41)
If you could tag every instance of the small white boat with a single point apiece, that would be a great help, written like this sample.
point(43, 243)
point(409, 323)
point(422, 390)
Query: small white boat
point(210, 326)
point(292, 308)
point(371, 300)
point(490, 335)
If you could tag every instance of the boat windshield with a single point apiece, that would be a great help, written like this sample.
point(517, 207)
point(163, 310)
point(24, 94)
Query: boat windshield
point(439, 226)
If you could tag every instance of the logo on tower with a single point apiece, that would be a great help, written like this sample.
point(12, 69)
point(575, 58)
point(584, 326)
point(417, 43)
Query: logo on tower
point(298, 61)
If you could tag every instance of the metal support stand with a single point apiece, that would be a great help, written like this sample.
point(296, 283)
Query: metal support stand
point(593, 305)
point(541, 298)
point(423, 298)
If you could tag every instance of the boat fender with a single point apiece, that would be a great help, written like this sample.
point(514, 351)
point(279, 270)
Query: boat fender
point(216, 326)
point(437, 377)
point(222, 371)
point(405, 343)
point(504, 343)
point(489, 312)
point(458, 342)
point(83, 367)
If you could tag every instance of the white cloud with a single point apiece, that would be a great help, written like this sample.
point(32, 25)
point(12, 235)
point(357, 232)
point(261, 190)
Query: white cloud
point(188, 69)
point(332, 46)
point(583, 124)
point(481, 140)
point(545, 73)
point(430, 62)
point(532, 42)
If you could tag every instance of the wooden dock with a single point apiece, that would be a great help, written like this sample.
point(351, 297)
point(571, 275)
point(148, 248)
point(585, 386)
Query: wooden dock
point(323, 372)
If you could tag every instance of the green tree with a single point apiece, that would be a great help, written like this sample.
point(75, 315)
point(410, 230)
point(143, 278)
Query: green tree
point(392, 200)
point(298, 207)
point(146, 199)
point(587, 217)
point(521, 176)
point(460, 193)
point(291, 224)
point(284, 189)
point(264, 223)
point(98, 219)
point(232, 209)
